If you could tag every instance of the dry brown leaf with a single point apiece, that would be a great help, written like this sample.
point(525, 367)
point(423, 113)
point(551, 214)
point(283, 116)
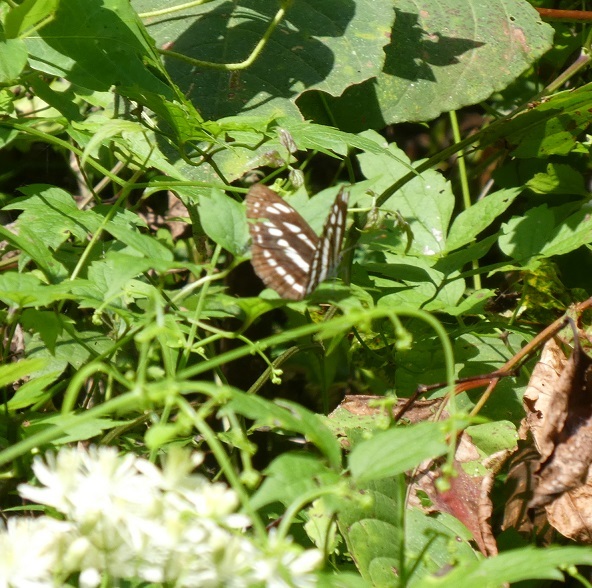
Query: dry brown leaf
point(559, 415)
point(361, 405)
point(519, 487)
point(539, 392)
point(567, 425)
point(464, 499)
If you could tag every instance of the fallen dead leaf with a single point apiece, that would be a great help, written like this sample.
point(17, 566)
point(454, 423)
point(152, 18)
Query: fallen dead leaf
point(559, 416)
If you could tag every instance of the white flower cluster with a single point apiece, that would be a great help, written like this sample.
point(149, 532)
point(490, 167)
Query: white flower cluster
point(123, 518)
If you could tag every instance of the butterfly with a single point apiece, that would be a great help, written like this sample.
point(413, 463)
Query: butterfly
point(286, 253)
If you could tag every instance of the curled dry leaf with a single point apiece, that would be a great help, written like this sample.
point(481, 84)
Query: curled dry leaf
point(559, 406)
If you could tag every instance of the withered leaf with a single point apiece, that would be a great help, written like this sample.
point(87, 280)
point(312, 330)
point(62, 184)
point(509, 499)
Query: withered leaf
point(568, 426)
point(558, 402)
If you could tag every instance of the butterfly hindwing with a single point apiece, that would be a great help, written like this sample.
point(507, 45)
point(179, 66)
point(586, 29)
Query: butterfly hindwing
point(286, 253)
point(329, 247)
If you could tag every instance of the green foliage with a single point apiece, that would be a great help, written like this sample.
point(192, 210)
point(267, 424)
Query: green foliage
point(128, 319)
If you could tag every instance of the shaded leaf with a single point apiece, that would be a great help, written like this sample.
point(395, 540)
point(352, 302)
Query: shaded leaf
point(443, 55)
point(326, 44)
point(290, 416)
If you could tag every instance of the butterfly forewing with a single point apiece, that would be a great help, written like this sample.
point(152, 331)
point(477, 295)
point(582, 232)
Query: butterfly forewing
point(286, 253)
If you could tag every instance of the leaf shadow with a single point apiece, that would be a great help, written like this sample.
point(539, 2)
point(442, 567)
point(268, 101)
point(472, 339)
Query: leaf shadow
point(293, 58)
point(413, 52)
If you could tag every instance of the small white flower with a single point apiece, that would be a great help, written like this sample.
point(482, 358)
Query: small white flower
point(286, 565)
point(89, 578)
point(30, 551)
point(130, 520)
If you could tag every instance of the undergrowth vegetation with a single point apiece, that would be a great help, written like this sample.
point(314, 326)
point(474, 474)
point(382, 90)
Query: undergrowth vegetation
point(168, 421)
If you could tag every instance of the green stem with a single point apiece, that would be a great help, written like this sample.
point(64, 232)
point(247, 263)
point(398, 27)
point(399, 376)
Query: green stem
point(173, 9)
point(216, 447)
point(241, 64)
point(296, 506)
point(464, 184)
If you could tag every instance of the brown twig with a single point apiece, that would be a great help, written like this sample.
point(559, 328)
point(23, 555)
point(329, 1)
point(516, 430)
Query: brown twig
point(565, 15)
point(510, 368)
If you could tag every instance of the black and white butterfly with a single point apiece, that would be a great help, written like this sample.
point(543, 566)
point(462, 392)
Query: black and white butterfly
point(286, 253)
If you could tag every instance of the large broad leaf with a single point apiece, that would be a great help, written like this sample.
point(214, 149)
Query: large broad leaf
point(321, 44)
point(395, 546)
point(425, 203)
point(444, 54)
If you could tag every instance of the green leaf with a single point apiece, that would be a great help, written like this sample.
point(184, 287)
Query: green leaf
point(439, 59)
point(397, 450)
point(68, 47)
point(48, 324)
point(30, 244)
point(309, 136)
point(287, 415)
point(417, 285)
point(53, 93)
point(425, 203)
point(469, 223)
point(13, 59)
point(26, 290)
point(224, 221)
point(53, 213)
point(512, 566)
point(72, 347)
point(493, 437)
point(559, 179)
point(12, 372)
point(108, 129)
point(327, 45)
point(290, 476)
point(551, 128)
point(435, 543)
point(384, 537)
point(110, 277)
point(122, 227)
point(571, 233)
point(474, 303)
point(454, 262)
point(32, 392)
point(70, 428)
point(27, 15)
point(524, 237)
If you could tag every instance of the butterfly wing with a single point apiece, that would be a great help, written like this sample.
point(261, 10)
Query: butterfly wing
point(326, 256)
point(284, 245)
